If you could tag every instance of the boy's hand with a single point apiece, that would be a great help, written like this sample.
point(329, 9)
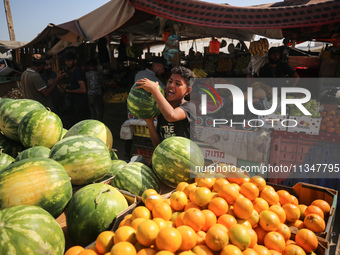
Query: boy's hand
point(147, 85)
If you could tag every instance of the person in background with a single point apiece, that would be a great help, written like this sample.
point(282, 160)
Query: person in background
point(77, 91)
point(95, 90)
point(156, 70)
point(33, 85)
point(275, 68)
point(178, 116)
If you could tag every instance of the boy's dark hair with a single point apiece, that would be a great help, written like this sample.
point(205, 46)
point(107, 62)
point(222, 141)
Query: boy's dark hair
point(185, 73)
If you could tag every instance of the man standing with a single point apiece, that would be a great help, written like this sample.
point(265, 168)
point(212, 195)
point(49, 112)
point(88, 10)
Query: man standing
point(34, 87)
point(156, 70)
point(77, 90)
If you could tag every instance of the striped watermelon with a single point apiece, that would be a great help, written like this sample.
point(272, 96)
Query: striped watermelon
point(85, 158)
point(11, 113)
point(116, 166)
point(34, 152)
point(142, 104)
point(5, 160)
point(113, 154)
point(136, 177)
point(37, 181)
point(63, 133)
point(40, 127)
point(173, 159)
point(30, 230)
point(10, 147)
point(94, 128)
point(92, 210)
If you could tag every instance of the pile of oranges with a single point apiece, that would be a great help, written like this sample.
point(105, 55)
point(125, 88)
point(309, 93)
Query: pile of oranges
point(330, 122)
point(215, 216)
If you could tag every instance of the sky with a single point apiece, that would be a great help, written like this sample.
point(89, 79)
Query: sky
point(31, 17)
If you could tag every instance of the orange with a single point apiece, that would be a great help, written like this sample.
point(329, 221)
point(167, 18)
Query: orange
point(261, 250)
point(162, 210)
point(148, 192)
point(178, 200)
point(284, 230)
point(260, 204)
point(227, 220)
point(302, 209)
point(188, 188)
point(192, 194)
point(202, 249)
point(74, 250)
point(294, 200)
point(218, 206)
point(297, 224)
point(88, 252)
point(194, 218)
point(217, 237)
point(253, 237)
point(243, 208)
point(147, 251)
point(254, 218)
point(125, 248)
point(138, 246)
point(141, 212)
point(325, 207)
point(151, 200)
point(229, 192)
point(284, 197)
point(249, 251)
point(167, 201)
point(238, 177)
point(269, 221)
point(134, 224)
point(313, 209)
point(174, 216)
point(179, 220)
point(231, 249)
point(165, 253)
point(125, 222)
point(236, 186)
point(243, 222)
point(274, 241)
point(249, 190)
point(260, 234)
point(231, 211)
point(104, 241)
point(189, 238)
point(239, 236)
point(201, 237)
point(270, 195)
point(210, 219)
point(125, 234)
point(160, 222)
point(93, 248)
point(293, 250)
point(191, 205)
point(292, 212)
point(202, 196)
point(259, 181)
point(289, 242)
point(206, 182)
point(306, 239)
point(146, 232)
point(278, 210)
point(169, 239)
point(181, 186)
point(219, 183)
point(314, 222)
point(169, 223)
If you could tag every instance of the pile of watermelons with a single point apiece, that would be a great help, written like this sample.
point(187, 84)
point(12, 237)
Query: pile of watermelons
point(41, 163)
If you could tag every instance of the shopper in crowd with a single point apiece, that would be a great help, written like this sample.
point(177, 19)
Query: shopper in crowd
point(276, 68)
point(153, 74)
point(77, 91)
point(33, 85)
point(95, 90)
point(178, 116)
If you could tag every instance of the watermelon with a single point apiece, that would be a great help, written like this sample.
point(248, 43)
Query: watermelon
point(35, 181)
point(173, 159)
point(85, 158)
point(94, 128)
point(11, 113)
point(40, 127)
point(5, 100)
point(5, 160)
point(34, 152)
point(10, 147)
point(136, 177)
point(142, 104)
point(30, 230)
point(92, 210)
point(116, 166)
point(113, 154)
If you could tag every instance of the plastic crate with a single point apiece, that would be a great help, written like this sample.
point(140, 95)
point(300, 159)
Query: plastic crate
point(145, 153)
point(140, 130)
point(143, 142)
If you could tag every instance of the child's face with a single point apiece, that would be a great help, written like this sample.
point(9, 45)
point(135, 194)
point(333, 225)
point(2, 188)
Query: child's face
point(176, 88)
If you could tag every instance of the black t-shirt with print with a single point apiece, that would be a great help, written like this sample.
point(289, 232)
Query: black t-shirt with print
point(183, 128)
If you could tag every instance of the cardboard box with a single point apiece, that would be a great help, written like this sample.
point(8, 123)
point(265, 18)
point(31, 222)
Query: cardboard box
point(274, 121)
point(305, 125)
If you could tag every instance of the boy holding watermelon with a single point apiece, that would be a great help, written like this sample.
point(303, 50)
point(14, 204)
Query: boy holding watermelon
point(178, 116)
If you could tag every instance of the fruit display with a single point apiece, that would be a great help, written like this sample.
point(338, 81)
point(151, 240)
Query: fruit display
point(199, 73)
point(142, 104)
point(174, 158)
point(330, 122)
point(34, 152)
point(312, 106)
point(115, 97)
point(258, 48)
point(30, 230)
point(242, 62)
point(14, 93)
point(223, 215)
point(211, 62)
point(225, 64)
